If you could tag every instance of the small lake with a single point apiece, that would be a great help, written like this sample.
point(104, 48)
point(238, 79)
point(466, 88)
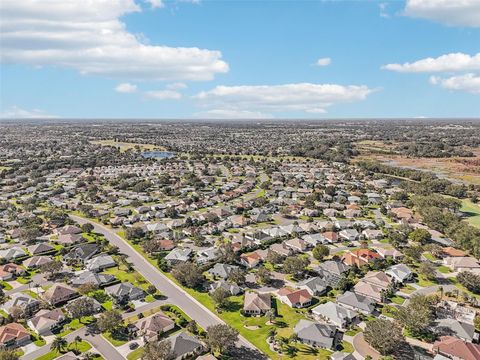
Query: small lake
point(158, 154)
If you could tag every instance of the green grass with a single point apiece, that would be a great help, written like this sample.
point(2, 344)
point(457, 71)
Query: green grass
point(136, 354)
point(353, 332)
point(473, 212)
point(429, 256)
point(112, 340)
point(81, 347)
point(108, 305)
point(6, 286)
point(149, 298)
point(75, 324)
point(397, 300)
point(389, 311)
point(424, 282)
point(133, 277)
point(347, 347)
point(408, 289)
point(444, 270)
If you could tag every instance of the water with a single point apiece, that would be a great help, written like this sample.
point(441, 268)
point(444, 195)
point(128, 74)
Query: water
point(158, 154)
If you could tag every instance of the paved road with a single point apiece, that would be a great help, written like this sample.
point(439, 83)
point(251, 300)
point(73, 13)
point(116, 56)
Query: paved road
point(99, 344)
point(36, 279)
point(168, 288)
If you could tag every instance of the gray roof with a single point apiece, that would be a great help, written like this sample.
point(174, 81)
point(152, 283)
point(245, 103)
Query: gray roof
point(183, 343)
point(315, 284)
point(456, 328)
point(334, 267)
point(88, 277)
point(356, 301)
point(335, 313)
point(100, 261)
point(222, 270)
point(124, 289)
point(322, 334)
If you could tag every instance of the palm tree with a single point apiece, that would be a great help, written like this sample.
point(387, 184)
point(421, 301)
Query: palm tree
point(77, 340)
point(58, 344)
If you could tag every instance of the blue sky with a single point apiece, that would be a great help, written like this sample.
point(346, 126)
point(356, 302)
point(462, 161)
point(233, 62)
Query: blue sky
point(240, 59)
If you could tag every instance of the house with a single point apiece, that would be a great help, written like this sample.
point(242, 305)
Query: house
point(185, 345)
point(359, 257)
point(372, 234)
point(332, 271)
point(89, 277)
point(36, 261)
point(316, 286)
point(222, 271)
point(13, 335)
point(250, 260)
point(392, 253)
point(125, 292)
point(314, 239)
point(315, 334)
point(68, 356)
point(153, 326)
point(256, 304)
point(356, 302)
point(166, 244)
point(399, 273)
point(58, 294)
point(452, 252)
point(69, 239)
point(97, 307)
point(23, 301)
point(233, 289)
point(330, 236)
point(281, 249)
point(349, 234)
point(12, 253)
point(335, 314)
point(69, 229)
point(177, 256)
point(459, 329)
point(10, 271)
point(342, 356)
point(207, 255)
point(295, 298)
point(297, 244)
point(100, 262)
point(462, 263)
point(82, 253)
point(40, 249)
point(457, 349)
point(373, 285)
point(46, 320)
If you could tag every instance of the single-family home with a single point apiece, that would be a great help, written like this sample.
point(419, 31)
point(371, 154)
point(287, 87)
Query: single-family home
point(125, 292)
point(100, 262)
point(316, 334)
point(400, 273)
point(153, 326)
point(46, 320)
point(256, 304)
point(13, 335)
point(58, 294)
point(356, 302)
point(335, 314)
point(295, 298)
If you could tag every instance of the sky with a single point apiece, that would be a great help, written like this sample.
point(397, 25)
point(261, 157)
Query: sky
point(226, 59)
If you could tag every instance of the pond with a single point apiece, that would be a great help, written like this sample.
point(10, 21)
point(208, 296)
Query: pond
point(158, 154)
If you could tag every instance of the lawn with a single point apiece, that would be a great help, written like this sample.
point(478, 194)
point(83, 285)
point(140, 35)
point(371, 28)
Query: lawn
point(397, 300)
point(444, 270)
point(473, 212)
point(424, 282)
point(115, 341)
point(429, 256)
point(81, 347)
point(6, 286)
point(133, 277)
point(347, 347)
point(408, 289)
point(75, 324)
point(135, 354)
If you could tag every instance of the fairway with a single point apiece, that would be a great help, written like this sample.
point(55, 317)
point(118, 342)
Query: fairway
point(473, 212)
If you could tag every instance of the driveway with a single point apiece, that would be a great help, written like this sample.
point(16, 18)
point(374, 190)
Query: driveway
point(175, 294)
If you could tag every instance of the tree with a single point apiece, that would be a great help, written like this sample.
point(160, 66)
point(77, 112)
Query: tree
point(221, 337)
point(470, 280)
point(263, 276)
point(320, 252)
point(58, 344)
point(188, 274)
point(476, 322)
point(110, 321)
point(52, 268)
point(17, 312)
point(151, 289)
point(427, 269)
point(8, 354)
point(295, 265)
point(87, 227)
point(81, 307)
point(134, 232)
point(237, 276)
point(420, 236)
point(220, 297)
point(417, 317)
point(158, 350)
point(87, 288)
point(384, 336)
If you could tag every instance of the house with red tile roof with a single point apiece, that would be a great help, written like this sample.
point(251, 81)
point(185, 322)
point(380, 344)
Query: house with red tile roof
point(360, 257)
point(295, 298)
point(14, 335)
point(454, 348)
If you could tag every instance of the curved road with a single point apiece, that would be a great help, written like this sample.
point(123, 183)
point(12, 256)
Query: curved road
point(168, 288)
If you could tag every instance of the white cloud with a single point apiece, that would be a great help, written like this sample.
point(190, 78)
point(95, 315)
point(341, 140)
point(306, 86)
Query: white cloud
point(163, 95)
point(303, 97)
point(323, 61)
point(383, 10)
point(232, 114)
point(449, 12)
point(176, 86)
point(18, 113)
point(466, 82)
point(154, 4)
point(88, 36)
point(126, 88)
point(444, 63)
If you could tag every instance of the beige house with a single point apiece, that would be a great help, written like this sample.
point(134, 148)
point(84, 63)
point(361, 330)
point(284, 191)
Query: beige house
point(257, 304)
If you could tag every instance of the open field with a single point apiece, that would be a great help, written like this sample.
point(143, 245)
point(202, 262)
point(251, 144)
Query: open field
point(464, 169)
point(124, 146)
point(473, 212)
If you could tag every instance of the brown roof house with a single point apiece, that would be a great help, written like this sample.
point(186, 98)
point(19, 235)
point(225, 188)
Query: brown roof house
point(454, 348)
point(14, 335)
point(373, 285)
point(59, 294)
point(359, 257)
point(153, 326)
point(257, 304)
point(46, 320)
point(462, 263)
point(295, 298)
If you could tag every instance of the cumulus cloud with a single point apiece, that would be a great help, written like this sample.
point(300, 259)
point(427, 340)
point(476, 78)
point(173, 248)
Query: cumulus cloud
point(155, 3)
point(163, 95)
point(126, 88)
point(16, 112)
point(444, 63)
point(89, 36)
point(449, 12)
point(232, 114)
point(303, 97)
point(323, 61)
point(176, 86)
point(467, 82)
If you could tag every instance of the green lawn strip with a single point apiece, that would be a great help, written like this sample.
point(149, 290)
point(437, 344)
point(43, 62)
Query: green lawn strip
point(81, 347)
point(429, 256)
point(114, 341)
point(408, 289)
point(397, 300)
point(75, 324)
point(473, 211)
point(6, 286)
point(444, 270)
point(136, 354)
point(346, 347)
